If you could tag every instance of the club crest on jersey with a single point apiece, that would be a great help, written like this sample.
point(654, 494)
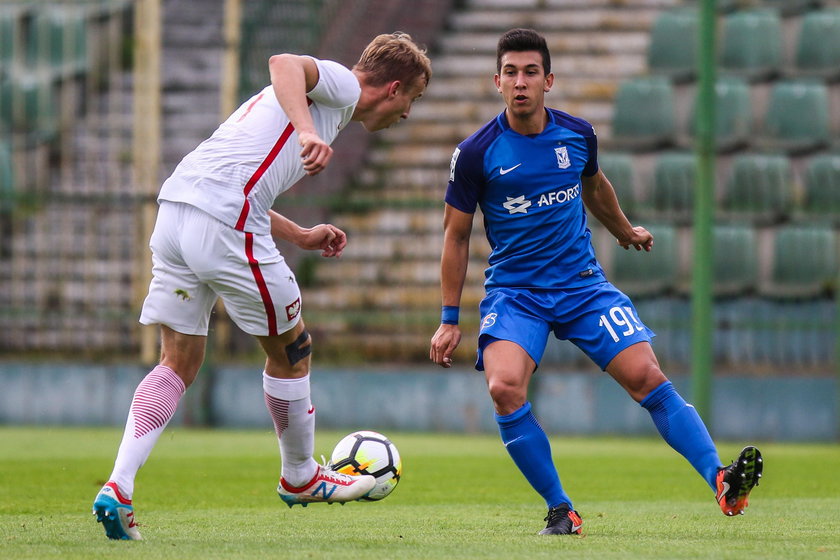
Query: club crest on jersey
point(293, 309)
point(563, 160)
point(518, 205)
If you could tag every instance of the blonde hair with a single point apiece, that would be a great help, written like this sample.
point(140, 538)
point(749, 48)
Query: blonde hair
point(394, 56)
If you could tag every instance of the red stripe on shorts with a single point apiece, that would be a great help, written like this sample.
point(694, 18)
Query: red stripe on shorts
point(269, 159)
point(261, 285)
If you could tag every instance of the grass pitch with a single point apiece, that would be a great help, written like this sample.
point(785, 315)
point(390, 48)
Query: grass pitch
point(210, 494)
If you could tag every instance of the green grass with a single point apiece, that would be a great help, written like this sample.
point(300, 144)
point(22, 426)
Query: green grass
point(210, 494)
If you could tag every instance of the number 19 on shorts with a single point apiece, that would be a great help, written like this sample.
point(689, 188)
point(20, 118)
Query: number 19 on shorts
point(620, 320)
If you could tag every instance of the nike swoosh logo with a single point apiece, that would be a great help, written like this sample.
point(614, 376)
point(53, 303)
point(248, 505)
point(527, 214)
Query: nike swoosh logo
point(514, 440)
point(503, 171)
point(723, 490)
point(311, 410)
point(576, 527)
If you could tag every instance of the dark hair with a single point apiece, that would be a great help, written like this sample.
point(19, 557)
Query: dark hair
point(519, 40)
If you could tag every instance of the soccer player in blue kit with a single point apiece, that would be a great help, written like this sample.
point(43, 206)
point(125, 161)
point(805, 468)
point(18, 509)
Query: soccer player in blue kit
point(532, 169)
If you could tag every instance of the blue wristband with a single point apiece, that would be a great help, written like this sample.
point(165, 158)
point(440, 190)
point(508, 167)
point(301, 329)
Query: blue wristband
point(449, 314)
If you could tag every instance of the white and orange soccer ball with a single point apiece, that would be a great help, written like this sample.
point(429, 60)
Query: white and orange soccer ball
point(366, 452)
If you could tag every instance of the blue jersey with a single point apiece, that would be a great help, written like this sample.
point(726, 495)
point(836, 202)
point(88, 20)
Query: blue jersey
point(529, 190)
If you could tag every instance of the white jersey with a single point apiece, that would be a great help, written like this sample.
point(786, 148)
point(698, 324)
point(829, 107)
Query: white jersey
point(254, 155)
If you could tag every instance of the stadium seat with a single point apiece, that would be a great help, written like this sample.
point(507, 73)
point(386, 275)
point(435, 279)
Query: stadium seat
point(618, 168)
point(643, 274)
point(7, 183)
point(27, 105)
point(673, 44)
point(644, 116)
point(822, 188)
point(58, 39)
point(733, 114)
point(751, 44)
point(735, 260)
point(797, 117)
point(672, 191)
point(818, 45)
point(804, 262)
point(8, 37)
point(759, 188)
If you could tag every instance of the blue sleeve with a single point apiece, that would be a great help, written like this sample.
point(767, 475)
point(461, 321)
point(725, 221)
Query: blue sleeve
point(466, 178)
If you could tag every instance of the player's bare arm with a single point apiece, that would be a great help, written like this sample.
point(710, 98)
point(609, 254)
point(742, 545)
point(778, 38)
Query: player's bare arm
point(599, 197)
point(457, 227)
point(329, 239)
point(292, 77)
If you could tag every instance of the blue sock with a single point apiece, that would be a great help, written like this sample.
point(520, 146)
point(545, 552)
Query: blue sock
point(529, 448)
point(683, 429)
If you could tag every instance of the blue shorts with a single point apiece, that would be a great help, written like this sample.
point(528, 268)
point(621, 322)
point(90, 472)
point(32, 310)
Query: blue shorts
point(599, 319)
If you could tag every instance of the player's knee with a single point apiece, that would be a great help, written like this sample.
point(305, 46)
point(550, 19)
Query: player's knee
point(507, 397)
point(294, 358)
point(300, 349)
point(648, 378)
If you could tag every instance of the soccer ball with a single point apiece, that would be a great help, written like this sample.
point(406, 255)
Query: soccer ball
point(367, 452)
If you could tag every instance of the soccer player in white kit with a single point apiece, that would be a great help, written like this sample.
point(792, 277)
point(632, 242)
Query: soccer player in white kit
point(214, 238)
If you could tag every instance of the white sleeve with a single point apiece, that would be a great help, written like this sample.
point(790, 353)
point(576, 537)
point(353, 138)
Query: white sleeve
point(337, 86)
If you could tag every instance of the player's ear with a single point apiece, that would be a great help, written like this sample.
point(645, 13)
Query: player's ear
point(394, 88)
point(549, 81)
point(497, 80)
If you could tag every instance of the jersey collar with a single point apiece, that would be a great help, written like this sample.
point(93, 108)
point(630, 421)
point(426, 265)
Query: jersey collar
point(505, 125)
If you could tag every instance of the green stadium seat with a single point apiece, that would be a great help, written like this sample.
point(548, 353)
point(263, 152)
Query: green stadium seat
point(733, 114)
point(735, 259)
point(644, 116)
point(818, 45)
point(751, 44)
point(759, 188)
point(672, 191)
point(673, 44)
point(8, 38)
point(618, 167)
point(58, 39)
point(822, 188)
point(797, 117)
point(27, 105)
point(805, 262)
point(7, 179)
point(643, 274)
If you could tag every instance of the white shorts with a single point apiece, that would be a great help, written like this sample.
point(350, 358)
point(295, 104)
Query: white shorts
point(197, 259)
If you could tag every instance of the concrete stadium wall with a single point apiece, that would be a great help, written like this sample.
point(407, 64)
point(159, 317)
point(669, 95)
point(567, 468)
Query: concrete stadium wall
point(783, 409)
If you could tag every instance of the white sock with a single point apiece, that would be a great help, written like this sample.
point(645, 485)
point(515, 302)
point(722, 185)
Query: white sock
point(291, 410)
point(153, 405)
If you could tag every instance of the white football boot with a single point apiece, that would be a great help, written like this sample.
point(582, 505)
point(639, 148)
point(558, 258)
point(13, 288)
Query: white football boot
point(327, 486)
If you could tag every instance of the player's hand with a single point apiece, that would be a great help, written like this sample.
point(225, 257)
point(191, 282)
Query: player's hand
point(444, 343)
point(326, 237)
point(641, 239)
point(315, 154)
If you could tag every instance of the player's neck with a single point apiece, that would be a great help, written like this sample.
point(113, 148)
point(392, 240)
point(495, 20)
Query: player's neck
point(526, 125)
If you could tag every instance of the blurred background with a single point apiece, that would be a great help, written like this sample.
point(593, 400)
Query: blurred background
point(100, 99)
